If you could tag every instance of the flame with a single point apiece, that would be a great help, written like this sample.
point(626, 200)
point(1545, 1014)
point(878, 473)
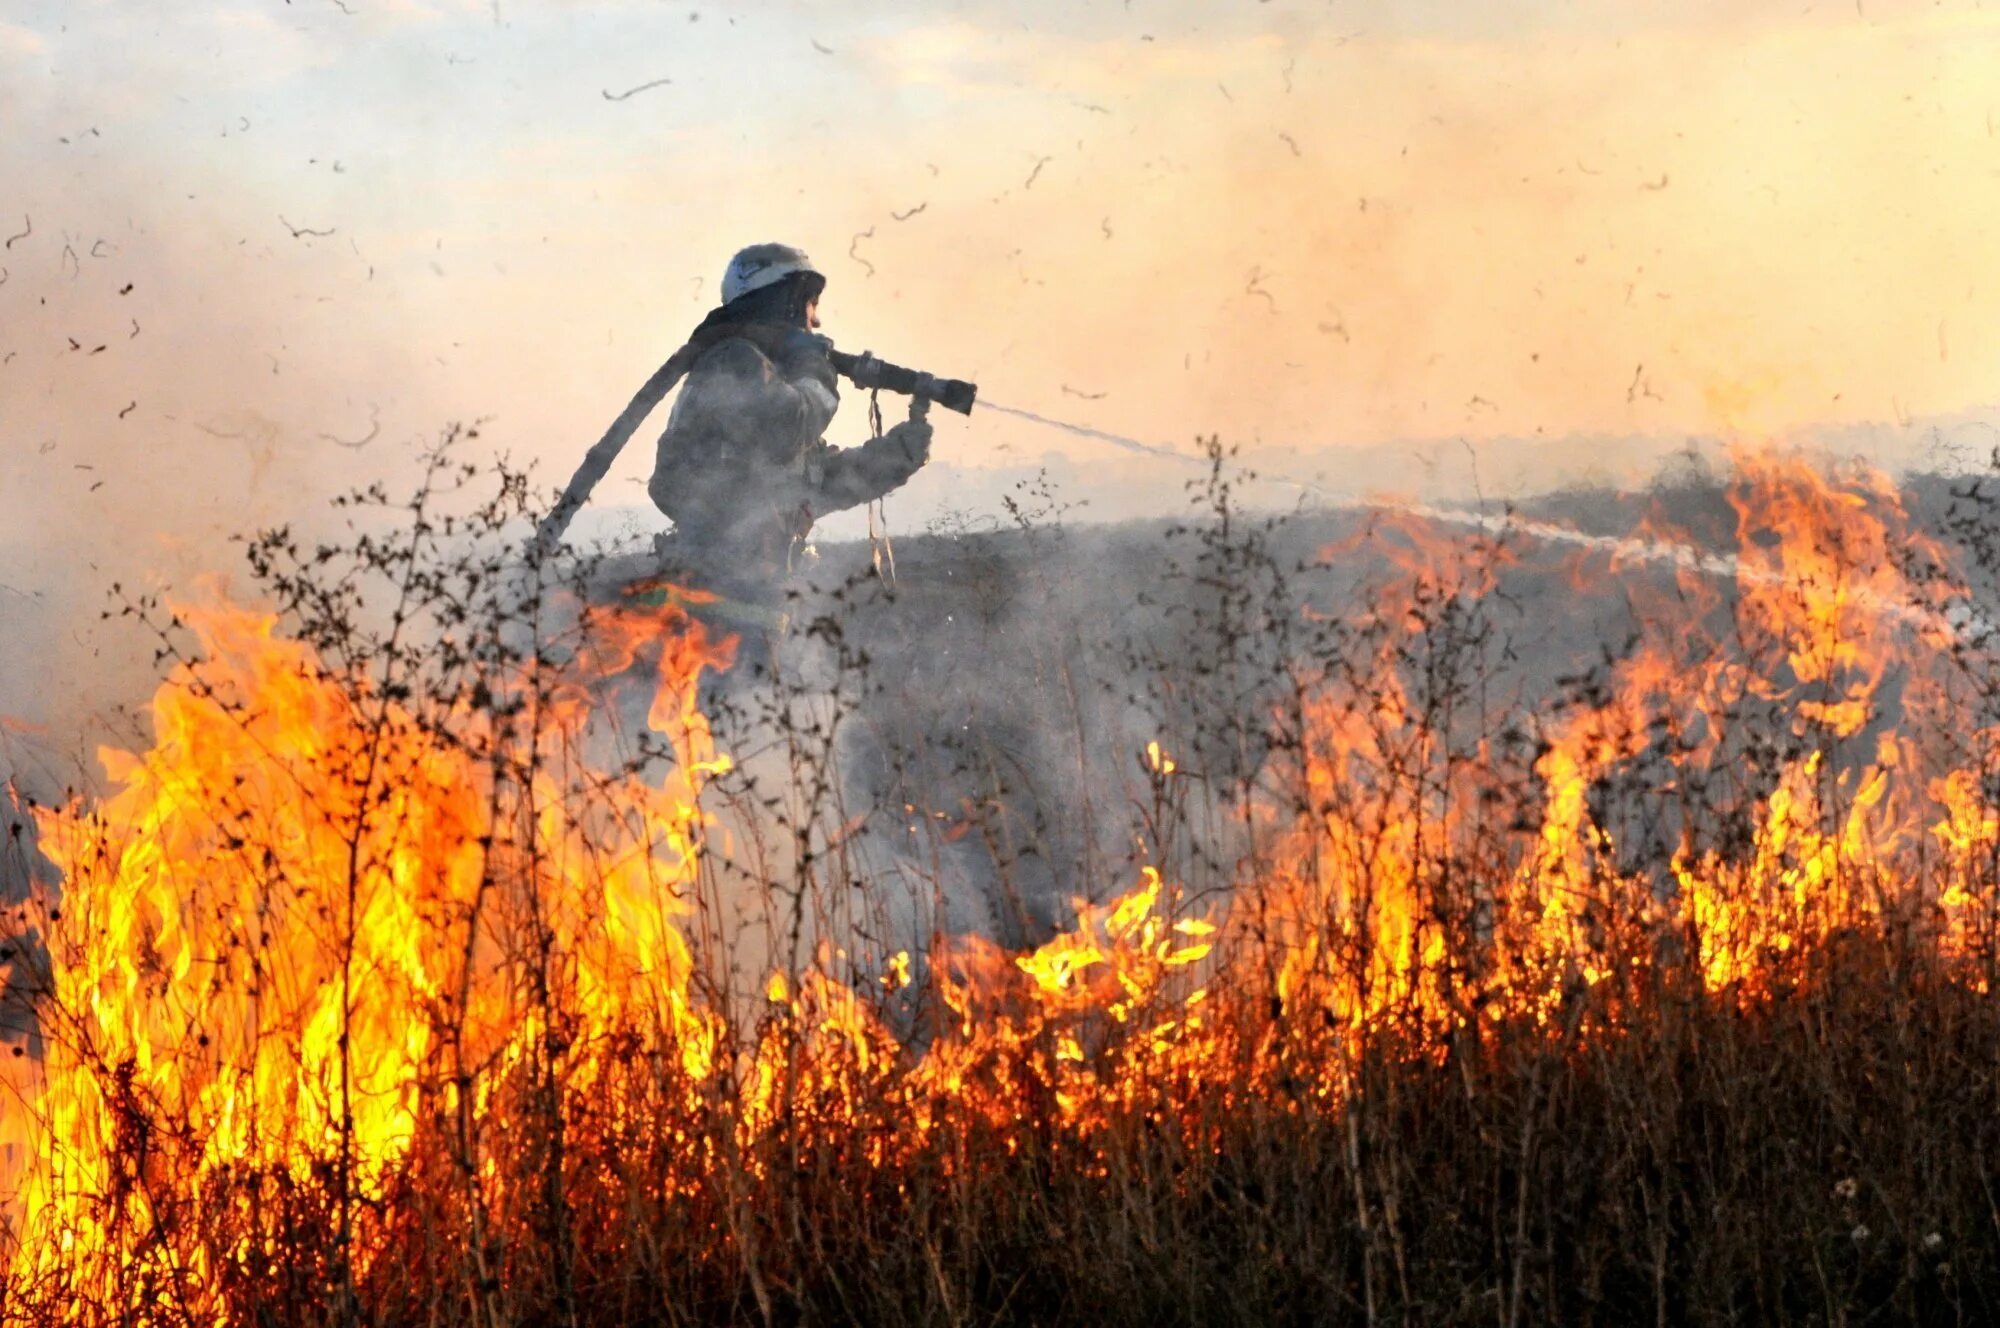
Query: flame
point(286, 931)
point(326, 937)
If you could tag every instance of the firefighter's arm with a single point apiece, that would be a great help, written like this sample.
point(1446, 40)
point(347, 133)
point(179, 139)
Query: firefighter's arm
point(848, 477)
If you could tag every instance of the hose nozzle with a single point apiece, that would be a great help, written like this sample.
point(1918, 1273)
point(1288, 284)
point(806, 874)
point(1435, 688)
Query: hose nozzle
point(865, 370)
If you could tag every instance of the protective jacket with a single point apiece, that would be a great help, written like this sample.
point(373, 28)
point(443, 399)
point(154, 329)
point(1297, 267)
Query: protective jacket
point(742, 468)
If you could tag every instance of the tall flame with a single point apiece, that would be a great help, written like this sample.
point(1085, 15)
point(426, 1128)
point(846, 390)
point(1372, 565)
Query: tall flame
point(297, 929)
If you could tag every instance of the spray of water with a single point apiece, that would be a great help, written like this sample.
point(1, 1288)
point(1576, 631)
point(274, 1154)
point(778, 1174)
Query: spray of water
point(1962, 620)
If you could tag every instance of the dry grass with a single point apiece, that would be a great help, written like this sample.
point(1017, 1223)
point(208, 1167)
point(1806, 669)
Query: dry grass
point(1597, 1129)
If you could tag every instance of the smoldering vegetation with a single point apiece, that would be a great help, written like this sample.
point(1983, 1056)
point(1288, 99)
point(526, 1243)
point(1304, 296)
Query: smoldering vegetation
point(1589, 915)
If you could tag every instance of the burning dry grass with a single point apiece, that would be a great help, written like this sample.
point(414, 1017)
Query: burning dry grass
point(391, 986)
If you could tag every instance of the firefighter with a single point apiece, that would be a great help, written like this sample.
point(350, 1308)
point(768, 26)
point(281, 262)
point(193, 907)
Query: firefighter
point(743, 469)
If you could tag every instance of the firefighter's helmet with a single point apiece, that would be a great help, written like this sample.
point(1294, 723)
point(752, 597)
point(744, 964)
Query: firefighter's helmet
point(763, 265)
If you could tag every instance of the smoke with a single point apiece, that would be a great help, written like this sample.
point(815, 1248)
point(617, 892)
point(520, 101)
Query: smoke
point(153, 409)
point(190, 351)
point(1553, 245)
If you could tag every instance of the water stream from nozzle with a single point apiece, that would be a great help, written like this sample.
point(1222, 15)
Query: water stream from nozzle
point(1625, 548)
point(1083, 431)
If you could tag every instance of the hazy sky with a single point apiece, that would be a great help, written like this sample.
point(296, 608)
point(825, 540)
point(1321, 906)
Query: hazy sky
point(1306, 226)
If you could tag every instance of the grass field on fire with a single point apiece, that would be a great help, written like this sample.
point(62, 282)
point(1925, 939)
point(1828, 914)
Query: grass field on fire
point(1343, 917)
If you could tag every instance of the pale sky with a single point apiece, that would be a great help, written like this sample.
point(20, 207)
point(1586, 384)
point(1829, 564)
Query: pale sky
point(1308, 227)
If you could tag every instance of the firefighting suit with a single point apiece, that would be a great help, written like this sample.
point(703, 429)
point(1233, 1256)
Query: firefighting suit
point(743, 472)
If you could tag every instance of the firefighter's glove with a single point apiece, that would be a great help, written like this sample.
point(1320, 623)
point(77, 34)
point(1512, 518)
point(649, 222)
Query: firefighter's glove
point(912, 438)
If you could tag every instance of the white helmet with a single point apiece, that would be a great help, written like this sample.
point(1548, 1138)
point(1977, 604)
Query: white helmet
point(763, 265)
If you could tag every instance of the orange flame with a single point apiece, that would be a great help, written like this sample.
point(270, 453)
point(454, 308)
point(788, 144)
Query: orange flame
point(323, 934)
